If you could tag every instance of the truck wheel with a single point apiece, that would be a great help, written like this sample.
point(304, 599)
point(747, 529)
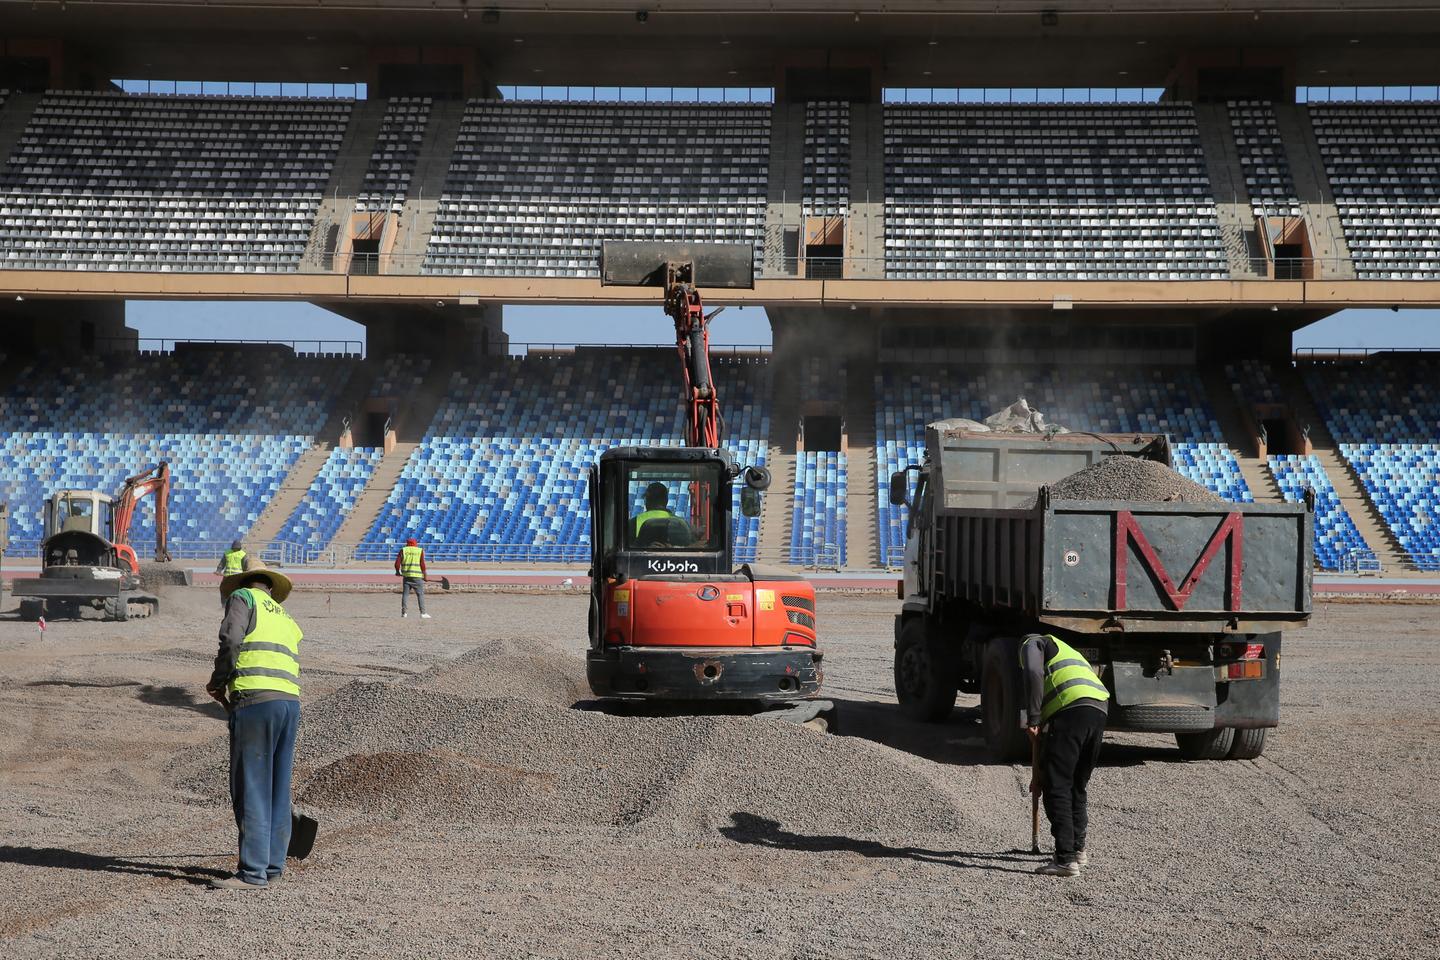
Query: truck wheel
point(1248, 744)
point(1210, 745)
point(1000, 701)
point(925, 688)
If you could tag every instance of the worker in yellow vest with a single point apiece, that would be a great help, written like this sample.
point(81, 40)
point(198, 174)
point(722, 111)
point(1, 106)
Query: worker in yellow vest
point(233, 560)
point(657, 498)
point(410, 567)
point(257, 680)
point(1065, 713)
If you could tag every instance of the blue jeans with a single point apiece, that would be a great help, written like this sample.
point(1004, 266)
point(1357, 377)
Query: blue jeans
point(262, 753)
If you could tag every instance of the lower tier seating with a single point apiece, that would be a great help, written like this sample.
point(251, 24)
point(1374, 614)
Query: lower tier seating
point(1338, 543)
point(221, 482)
point(501, 472)
point(1403, 481)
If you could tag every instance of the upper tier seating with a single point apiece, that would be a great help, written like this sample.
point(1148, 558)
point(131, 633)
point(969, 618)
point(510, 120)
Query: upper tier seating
point(1023, 193)
point(817, 530)
point(1253, 383)
point(827, 158)
point(501, 473)
point(1263, 158)
point(114, 181)
point(534, 187)
point(330, 499)
point(1338, 543)
point(1385, 414)
point(231, 424)
point(1101, 399)
point(1383, 162)
point(397, 150)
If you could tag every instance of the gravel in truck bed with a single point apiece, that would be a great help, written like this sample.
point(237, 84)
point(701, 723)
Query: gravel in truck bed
point(1130, 478)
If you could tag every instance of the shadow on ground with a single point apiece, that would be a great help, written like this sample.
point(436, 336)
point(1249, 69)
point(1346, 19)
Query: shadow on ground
point(762, 832)
point(173, 696)
point(960, 740)
point(102, 863)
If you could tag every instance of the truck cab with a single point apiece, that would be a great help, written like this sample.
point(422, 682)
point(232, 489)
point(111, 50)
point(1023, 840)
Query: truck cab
point(671, 618)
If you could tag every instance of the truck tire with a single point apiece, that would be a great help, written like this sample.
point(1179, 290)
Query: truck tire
point(117, 609)
point(1160, 718)
point(1000, 702)
point(924, 684)
point(1210, 745)
point(1248, 744)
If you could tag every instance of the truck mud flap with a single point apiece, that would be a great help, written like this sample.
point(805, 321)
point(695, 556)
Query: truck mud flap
point(1162, 702)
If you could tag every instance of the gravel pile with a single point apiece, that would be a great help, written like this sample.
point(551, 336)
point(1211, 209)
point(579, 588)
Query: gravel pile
point(465, 742)
point(1130, 478)
point(398, 750)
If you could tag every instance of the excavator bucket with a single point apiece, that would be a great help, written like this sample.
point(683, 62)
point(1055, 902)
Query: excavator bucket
point(641, 263)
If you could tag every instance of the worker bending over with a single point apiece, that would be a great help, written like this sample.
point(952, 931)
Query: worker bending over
point(257, 680)
point(410, 565)
point(1065, 708)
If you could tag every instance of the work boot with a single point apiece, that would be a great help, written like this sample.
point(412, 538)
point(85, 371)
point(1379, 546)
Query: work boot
point(424, 616)
point(1057, 869)
point(274, 879)
point(404, 616)
point(234, 883)
point(1082, 857)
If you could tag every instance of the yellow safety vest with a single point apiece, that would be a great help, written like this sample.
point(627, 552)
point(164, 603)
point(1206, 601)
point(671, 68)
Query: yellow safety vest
point(410, 563)
point(1068, 678)
point(269, 657)
point(234, 561)
point(648, 515)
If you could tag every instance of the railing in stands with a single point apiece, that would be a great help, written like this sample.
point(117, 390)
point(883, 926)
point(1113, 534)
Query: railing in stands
point(166, 345)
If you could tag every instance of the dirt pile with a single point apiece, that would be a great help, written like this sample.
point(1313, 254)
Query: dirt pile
point(1130, 478)
point(510, 668)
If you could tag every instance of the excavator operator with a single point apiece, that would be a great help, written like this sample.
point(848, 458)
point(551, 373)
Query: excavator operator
point(656, 499)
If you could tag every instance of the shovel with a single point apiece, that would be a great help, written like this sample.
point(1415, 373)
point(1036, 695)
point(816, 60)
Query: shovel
point(443, 581)
point(302, 835)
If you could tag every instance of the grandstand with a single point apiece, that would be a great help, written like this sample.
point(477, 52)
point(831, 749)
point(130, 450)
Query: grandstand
point(940, 222)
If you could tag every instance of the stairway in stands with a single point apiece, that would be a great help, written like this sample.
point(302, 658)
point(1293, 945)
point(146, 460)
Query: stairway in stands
point(1226, 407)
point(862, 547)
point(346, 177)
point(1347, 485)
point(307, 468)
point(412, 421)
point(417, 216)
point(1227, 185)
point(1312, 185)
point(777, 514)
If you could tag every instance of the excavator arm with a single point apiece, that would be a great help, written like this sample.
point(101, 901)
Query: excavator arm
point(692, 339)
point(154, 481)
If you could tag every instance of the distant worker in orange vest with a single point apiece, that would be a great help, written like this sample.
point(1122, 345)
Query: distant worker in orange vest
point(410, 566)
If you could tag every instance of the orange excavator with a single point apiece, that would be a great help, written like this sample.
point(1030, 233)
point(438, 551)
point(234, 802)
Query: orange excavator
point(671, 617)
point(87, 560)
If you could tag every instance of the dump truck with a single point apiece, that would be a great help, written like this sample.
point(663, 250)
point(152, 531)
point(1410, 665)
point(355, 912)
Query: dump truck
point(1180, 606)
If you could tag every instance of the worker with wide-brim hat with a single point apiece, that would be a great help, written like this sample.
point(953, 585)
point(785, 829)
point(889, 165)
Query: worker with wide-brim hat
point(257, 680)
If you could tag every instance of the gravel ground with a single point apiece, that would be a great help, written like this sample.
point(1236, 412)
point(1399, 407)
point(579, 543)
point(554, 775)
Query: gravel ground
point(468, 810)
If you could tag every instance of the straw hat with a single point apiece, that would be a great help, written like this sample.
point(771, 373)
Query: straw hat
point(279, 583)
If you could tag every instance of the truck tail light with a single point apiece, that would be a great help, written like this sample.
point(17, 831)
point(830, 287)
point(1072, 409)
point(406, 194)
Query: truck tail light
point(1245, 670)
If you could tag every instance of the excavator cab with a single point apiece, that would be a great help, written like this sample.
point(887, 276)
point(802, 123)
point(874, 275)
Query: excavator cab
point(80, 511)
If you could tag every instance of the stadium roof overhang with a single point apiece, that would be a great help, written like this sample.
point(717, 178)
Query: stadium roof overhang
point(1174, 296)
point(740, 42)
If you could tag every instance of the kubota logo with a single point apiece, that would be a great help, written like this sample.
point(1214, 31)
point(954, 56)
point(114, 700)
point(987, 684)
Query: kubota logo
point(672, 566)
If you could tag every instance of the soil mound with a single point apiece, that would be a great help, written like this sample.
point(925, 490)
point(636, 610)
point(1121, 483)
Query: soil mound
point(1130, 478)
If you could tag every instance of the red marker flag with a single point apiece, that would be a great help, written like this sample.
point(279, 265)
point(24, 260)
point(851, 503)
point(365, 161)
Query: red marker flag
point(42, 626)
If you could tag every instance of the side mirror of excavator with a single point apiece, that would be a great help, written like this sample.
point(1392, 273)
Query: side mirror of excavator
point(757, 478)
point(750, 501)
point(898, 488)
